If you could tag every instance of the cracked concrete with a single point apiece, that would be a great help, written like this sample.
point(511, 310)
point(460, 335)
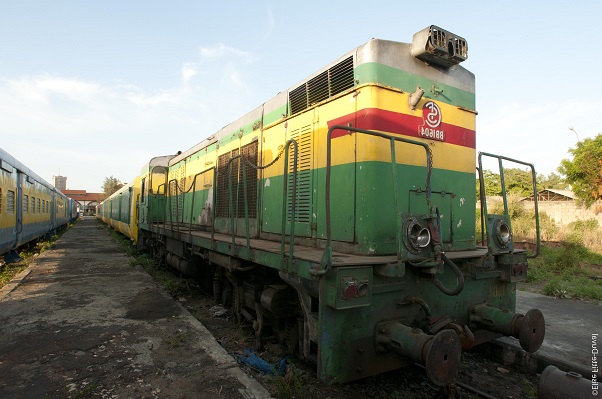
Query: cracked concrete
point(84, 323)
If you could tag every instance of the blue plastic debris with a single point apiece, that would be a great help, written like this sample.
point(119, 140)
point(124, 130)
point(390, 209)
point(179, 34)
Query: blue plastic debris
point(251, 359)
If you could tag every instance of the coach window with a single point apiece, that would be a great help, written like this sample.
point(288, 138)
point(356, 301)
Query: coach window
point(1, 200)
point(10, 202)
point(26, 204)
point(33, 205)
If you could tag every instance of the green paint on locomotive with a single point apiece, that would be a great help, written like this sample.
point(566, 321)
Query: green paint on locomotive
point(406, 81)
point(347, 334)
point(360, 194)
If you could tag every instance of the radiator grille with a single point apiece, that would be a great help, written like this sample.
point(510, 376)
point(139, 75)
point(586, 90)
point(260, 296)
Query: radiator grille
point(176, 193)
point(327, 84)
point(249, 152)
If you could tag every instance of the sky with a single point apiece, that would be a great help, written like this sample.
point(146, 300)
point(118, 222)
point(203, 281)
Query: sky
point(92, 89)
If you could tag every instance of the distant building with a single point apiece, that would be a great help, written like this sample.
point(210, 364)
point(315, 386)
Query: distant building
point(60, 182)
point(87, 201)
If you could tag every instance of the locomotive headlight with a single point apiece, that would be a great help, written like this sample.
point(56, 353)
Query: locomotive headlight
point(418, 236)
point(502, 233)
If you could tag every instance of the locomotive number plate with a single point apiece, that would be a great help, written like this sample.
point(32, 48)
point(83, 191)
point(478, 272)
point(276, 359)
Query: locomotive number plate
point(428, 133)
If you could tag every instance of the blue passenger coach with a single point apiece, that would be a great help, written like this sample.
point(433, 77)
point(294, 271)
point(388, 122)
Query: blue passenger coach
point(30, 207)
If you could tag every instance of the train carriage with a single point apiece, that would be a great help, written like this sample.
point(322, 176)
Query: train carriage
point(120, 210)
point(29, 206)
point(339, 216)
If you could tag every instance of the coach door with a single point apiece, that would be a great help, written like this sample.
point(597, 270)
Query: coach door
point(18, 206)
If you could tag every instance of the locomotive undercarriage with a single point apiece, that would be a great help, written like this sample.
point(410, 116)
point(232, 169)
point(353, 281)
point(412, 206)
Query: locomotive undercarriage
point(402, 320)
point(253, 293)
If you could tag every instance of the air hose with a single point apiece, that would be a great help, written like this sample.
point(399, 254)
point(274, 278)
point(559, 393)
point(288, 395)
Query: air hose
point(458, 274)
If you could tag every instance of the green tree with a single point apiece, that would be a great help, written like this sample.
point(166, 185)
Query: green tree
point(553, 181)
point(492, 184)
point(110, 185)
point(518, 181)
point(584, 171)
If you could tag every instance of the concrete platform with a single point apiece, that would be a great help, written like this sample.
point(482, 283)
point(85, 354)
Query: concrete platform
point(83, 321)
point(568, 340)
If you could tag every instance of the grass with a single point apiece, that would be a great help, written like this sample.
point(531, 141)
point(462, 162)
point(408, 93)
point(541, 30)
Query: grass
point(570, 261)
point(291, 386)
point(568, 268)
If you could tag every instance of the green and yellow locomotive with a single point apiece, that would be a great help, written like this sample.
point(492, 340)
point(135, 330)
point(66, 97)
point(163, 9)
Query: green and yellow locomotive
point(339, 216)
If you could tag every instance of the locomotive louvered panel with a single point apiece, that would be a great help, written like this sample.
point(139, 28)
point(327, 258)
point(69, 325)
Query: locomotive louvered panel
point(235, 172)
point(341, 76)
point(181, 177)
point(176, 186)
point(317, 88)
point(304, 164)
point(323, 86)
point(298, 99)
point(249, 153)
point(222, 185)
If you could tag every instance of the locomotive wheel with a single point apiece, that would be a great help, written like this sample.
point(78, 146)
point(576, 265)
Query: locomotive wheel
point(443, 358)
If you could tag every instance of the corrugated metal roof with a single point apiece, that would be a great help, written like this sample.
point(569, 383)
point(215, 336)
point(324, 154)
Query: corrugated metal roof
point(551, 194)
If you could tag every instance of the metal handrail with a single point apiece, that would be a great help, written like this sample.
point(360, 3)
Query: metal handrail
point(164, 185)
point(193, 187)
point(483, 196)
point(245, 162)
point(294, 200)
point(326, 262)
point(284, 198)
point(169, 203)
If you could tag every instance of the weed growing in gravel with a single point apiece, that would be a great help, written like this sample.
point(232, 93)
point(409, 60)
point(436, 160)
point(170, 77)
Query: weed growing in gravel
point(177, 339)
point(86, 391)
point(530, 389)
point(291, 386)
point(10, 270)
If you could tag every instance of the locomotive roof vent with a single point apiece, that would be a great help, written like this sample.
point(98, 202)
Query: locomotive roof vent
point(440, 47)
